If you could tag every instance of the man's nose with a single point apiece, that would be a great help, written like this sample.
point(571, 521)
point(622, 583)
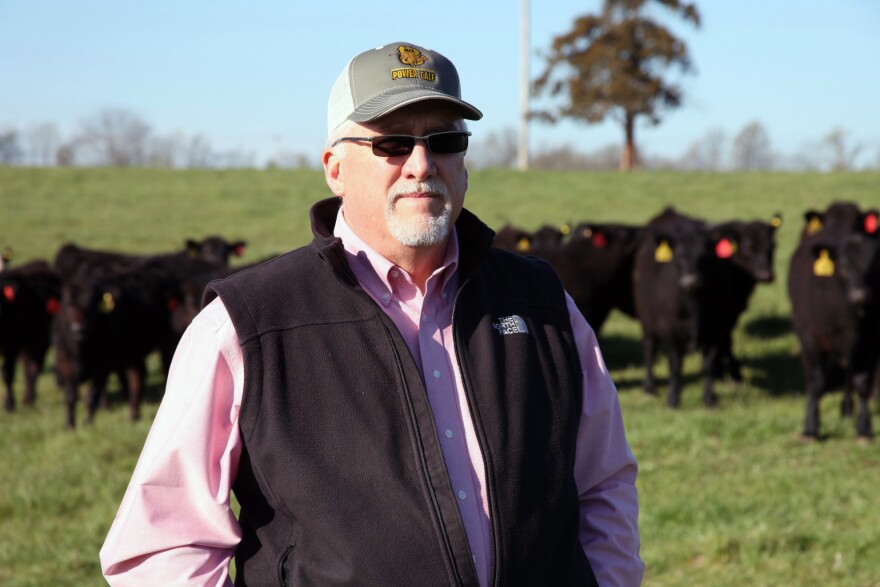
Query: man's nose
point(420, 163)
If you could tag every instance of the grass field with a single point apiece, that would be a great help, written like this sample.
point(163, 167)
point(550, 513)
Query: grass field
point(728, 497)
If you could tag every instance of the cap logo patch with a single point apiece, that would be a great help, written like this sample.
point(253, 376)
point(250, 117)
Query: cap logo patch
point(413, 58)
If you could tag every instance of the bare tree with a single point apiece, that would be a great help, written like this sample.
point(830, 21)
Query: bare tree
point(841, 153)
point(751, 148)
point(113, 137)
point(10, 151)
point(497, 150)
point(613, 64)
point(705, 153)
point(41, 142)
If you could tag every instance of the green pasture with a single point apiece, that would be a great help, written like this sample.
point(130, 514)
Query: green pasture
point(729, 496)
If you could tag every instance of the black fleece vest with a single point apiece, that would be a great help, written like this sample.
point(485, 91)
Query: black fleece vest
point(342, 479)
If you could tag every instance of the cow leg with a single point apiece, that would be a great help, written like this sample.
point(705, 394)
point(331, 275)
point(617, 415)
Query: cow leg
point(710, 356)
point(675, 359)
point(135, 377)
point(815, 387)
point(8, 377)
point(733, 364)
point(862, 383)
point(649, 348)
point(32, 368)
point(96, 394)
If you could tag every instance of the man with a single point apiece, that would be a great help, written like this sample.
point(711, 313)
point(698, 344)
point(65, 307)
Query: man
point(398, 403)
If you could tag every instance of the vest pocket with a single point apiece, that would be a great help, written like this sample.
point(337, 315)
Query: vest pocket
point(284, 570)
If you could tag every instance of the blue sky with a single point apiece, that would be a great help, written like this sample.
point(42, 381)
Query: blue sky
point(255, 75)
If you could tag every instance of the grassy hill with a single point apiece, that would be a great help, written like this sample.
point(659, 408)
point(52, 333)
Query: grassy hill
point(728, 497)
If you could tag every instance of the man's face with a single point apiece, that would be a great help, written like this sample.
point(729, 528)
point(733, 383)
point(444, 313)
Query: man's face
point(411, 200)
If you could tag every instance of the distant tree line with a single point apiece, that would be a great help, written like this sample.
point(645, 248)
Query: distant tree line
point(750, 149)
point(114, 137)
point(119, 138)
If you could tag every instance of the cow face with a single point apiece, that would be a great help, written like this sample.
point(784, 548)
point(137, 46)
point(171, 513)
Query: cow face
point(215, 249)
point(845, 260)
point(748, 246)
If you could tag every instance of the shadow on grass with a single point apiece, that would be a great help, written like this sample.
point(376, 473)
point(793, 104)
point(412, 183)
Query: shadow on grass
point(769, 327)
point(779, 374)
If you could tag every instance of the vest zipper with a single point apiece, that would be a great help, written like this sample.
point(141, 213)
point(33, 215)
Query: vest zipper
point(472, 406)
point(422, 461)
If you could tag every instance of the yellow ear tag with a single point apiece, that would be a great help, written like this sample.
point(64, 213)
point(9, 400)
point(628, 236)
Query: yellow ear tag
point(523, 244)
point(813, 226)
point(776, 221)
point(107, 303)
point(565, 229)
point(663, 252)
point(823, 266)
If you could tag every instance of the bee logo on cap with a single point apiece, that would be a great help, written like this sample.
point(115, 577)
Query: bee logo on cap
point(410, 56)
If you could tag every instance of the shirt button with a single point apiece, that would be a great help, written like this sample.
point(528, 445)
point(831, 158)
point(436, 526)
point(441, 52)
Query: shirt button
point(386, 296)
point(436, 374)
point(394, 273)
point(461, 494)
point(448, 433)
point(445, 296)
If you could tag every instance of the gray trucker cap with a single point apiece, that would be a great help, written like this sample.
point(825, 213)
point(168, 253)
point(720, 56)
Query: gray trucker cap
point(384, 79)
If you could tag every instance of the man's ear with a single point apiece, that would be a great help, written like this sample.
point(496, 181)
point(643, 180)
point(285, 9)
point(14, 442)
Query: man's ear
point(333, 172)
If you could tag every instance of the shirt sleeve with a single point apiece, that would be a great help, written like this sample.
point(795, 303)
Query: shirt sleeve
point(605, 470)
point(175, 525)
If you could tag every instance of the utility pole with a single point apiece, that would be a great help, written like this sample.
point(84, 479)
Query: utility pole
point(523, 151)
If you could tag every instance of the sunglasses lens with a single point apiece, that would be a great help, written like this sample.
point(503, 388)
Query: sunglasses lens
point(393, 145)
point(448, 142)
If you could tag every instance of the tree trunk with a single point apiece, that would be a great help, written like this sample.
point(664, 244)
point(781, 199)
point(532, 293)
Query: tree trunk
point(628, 160)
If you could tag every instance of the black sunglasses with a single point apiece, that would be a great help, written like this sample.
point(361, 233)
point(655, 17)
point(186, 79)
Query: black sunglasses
point(439, 143)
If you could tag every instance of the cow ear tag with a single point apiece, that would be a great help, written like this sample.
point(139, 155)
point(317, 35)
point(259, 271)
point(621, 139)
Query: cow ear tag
point(813, 226)
point(663, 252)
point(52, 306)
point(725, 248)
point(9, 293)
point(776, 221)
point(523, 244)
point(565, 230)
point(823, 266)
point(107, 303)
point(599, 240)
point(871, 224)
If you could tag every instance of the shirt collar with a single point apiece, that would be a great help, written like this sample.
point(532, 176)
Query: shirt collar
point(373, 271)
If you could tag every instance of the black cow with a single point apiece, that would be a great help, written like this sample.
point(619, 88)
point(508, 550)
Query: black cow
point(29, 297)
point(840, 217)
point(108, 322)
point(740, 256)
point(834, 284)
point(614, 248)
point(511, 238)
point(213, 250)
point(668, 273)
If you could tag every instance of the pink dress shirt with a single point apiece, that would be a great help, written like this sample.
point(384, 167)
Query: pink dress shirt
point(175, 525)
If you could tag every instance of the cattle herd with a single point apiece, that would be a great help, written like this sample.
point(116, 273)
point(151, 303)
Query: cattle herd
point(686, 281)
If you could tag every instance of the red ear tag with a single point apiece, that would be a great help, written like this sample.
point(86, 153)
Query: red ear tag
point(238, 251)
point(871, 223)
point(724, 250)
point(172, 304)
point(599, 240)
point(52, 306)
point(9, 293)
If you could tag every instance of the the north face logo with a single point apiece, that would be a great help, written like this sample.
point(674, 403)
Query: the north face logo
point(511, 325)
